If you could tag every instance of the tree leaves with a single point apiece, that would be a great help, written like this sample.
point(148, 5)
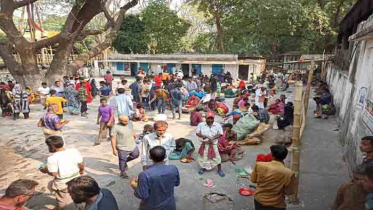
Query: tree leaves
point(131, 37)
point(163, 28)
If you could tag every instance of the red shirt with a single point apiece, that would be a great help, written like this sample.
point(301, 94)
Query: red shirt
point(108, 78)
point(88, 88)
point(158, 81)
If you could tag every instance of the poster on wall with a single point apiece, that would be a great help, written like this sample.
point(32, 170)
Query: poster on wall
point(361, 98)
point(368, 115)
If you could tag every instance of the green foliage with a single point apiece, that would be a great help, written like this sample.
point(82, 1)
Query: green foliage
point(54, 23)
point(272, 27)
point(131, 37)
point(163, 28)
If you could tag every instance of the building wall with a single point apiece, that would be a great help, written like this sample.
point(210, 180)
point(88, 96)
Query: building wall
point(353, 97)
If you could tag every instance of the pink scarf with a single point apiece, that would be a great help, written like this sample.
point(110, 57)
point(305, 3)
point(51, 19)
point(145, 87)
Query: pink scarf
point(210, 154)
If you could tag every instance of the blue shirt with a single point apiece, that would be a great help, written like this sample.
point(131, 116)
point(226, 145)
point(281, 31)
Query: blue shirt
point(156, 187)
point(176, 97)
point(123, 105)
point(105, 91)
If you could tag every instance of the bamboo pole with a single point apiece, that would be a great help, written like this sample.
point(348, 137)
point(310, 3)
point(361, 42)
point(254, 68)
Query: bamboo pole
point(295, 165)
point(308, 90)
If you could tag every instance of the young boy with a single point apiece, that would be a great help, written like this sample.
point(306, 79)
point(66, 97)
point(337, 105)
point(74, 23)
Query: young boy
point(123, 143)
point(83, 97)
point(53, 99)
point(147, 130)
point(105, 119)
point(140, 114)
point(104, 90)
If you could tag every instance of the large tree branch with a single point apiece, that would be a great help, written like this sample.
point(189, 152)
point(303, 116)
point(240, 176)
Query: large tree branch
point(86, 33)
point(47, 42)
point(10, 62)
point(110, 38)
point(110, 19)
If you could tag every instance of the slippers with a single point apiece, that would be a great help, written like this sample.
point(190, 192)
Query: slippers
point(221, 173)
point(201, 171)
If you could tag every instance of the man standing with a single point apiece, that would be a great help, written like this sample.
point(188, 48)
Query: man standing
point(17, 194)
point(123, 104)
point(158, 80)
point(156, 184)
point(53, 99)
point(176, 101)
point(85, 190)
point(157, 138)
point(123, 143)
point(43, 92)
point(214, 85)
point(87, 86)
point(209, 133)
point(136, 90)
point(83, 99)
point(274, 181)
point(109, 79)
point(64, 165)
point(59, 88)
point(260, 96)
point(105, 119)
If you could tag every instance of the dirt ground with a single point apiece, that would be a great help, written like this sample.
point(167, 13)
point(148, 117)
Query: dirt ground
point(23, 149)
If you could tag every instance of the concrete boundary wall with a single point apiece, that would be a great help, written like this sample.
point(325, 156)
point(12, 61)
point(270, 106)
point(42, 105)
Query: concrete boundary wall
point(353, 97)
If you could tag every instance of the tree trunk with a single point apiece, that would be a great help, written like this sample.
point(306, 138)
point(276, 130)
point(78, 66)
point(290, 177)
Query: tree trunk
point(28, 73)
point(58, 67)
point(219, 29)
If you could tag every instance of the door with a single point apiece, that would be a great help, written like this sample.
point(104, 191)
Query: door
point(145, 66)
point(217, 69)
point(120, 66)
point(185, 68)
point(198, 67)
point(133, 69)
point(170, 66)
point(243, 72)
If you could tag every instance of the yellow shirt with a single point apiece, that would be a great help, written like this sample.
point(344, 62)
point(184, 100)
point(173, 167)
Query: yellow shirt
point(165, 76)
point(56, 100)
point(274, 181)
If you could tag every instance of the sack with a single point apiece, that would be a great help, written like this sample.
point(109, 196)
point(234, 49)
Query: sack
point(245, 125)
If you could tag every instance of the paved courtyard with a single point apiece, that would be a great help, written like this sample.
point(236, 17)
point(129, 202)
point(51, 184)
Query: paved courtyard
point(23, 149)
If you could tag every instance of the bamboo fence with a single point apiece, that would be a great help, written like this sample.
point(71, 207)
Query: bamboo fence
point(301, 100)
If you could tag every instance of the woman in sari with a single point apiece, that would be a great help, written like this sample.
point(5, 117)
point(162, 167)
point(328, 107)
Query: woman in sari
point(277, 108)
point(224, 144)
point(71, 97)
point(211, 106)
point(20, 102)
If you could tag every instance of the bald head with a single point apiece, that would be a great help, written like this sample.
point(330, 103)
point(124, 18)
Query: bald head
point(123, 119)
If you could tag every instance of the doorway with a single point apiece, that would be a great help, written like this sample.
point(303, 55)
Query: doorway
point(243, 72)
point(185, 69)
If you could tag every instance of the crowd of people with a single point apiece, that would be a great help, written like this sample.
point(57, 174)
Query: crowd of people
point(201, 96)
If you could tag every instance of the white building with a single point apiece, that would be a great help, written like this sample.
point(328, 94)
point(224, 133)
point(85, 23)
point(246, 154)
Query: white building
point(240, 68)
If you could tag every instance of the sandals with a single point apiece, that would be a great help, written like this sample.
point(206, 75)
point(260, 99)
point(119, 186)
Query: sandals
point(201, 171)
point(221, 173)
